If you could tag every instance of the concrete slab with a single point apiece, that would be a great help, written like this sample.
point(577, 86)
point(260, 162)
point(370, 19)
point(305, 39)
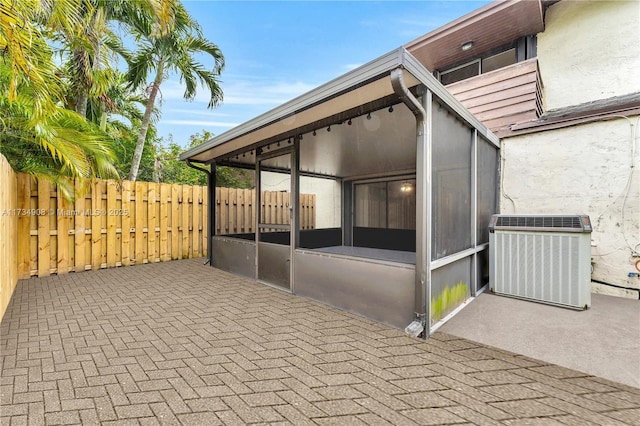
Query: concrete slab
point(603, 341)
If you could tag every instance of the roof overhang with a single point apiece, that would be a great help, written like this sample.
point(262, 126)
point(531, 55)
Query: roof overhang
point(364, 89)
point(600, 110)
point(496, 24)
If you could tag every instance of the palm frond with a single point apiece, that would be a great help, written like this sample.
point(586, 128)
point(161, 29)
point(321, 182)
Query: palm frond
point(140, 65)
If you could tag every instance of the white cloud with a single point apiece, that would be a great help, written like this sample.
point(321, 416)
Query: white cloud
point(244, 92)
point(196, 112)
point(262, 92)
point(201, 123)
point(350, 67)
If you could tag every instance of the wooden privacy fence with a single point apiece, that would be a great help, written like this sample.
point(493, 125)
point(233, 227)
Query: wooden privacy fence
point(8, 234)
point(236, 214)
point(113, 224)
point(127, 223)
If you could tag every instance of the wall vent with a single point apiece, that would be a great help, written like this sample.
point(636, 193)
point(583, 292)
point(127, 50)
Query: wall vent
point(542, 258)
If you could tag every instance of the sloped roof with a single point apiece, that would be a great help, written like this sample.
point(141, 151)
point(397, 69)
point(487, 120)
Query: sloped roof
point(494, 25)
point(362, 90)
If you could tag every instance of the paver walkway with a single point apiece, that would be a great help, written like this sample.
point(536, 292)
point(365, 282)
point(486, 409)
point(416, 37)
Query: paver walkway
point(183, 343)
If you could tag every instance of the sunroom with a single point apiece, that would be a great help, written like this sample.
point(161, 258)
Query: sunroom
point(404, 180)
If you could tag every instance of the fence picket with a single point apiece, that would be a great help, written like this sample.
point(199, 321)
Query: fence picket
point(175, 216)
point(44, 240)
point(62, 218)
point(24, 225)
point(79, 236)
point(205, 222)
point(112, 213)
point(223, 205)
point(125, 236)
point(164, 222)
point(96, 229)
point(140, 221)
point(151, 222)
point(187, 194)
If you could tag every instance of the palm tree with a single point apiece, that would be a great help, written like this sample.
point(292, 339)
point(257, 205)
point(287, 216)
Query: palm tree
point(119, 113)
point(37, 134)
point(172, 52)
point(61, 146)
point(98, 45)
point(25, 28)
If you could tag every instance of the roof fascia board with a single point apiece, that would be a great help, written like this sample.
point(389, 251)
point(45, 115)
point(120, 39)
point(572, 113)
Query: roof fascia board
point(352, 79)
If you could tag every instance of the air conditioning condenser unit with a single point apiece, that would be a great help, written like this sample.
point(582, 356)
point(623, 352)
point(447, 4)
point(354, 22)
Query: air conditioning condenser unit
point(541, 258)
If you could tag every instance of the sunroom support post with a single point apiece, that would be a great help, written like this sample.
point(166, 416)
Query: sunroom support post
point(424, 205)
point(211, 209)
point(422, 111)
point(294, 230)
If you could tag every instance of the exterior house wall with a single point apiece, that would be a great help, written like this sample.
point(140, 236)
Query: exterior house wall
point(589, 51)
point(575, 170)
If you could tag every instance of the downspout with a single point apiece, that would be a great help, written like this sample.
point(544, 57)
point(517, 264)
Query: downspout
point(422, 323)
point(211, 200)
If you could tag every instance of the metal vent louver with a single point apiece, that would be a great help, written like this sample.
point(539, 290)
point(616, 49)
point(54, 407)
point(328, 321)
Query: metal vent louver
point(572, 223)
point(542, 258)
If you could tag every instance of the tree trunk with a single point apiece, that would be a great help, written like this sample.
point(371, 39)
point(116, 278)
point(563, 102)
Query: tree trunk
point(80, 56)
point(157, 170)
point(99, 24)
point(144, 125)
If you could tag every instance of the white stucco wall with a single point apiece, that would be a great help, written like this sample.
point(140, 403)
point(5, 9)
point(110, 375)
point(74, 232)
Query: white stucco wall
point(576, 170)
point(328, 195)
point(589, 50)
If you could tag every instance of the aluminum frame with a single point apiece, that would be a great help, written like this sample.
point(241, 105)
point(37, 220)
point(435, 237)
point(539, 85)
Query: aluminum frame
point(394, 78)
point(271, 258)
point(379, 290)
point(234, 255)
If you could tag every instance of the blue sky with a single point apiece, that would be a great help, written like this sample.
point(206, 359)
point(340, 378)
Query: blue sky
point(275, 51)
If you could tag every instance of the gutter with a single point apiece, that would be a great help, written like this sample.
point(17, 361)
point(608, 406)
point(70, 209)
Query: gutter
point(211, 199)
point(422, 322)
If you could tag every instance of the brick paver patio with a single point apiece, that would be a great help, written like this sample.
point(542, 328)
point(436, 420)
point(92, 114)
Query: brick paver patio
point(183, 343)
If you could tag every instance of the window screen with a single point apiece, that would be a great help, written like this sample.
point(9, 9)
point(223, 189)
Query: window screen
point(460, 73)
point(390, 204)
point(500, 60)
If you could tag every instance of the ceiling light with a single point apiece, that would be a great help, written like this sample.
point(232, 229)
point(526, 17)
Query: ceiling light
point(369, 116)
point(467, 45)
